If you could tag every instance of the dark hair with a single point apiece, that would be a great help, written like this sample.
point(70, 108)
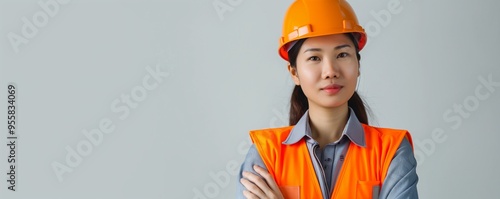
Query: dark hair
point(298, 100)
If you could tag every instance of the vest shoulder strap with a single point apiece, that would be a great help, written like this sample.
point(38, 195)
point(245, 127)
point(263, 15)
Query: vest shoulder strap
point(267, 142)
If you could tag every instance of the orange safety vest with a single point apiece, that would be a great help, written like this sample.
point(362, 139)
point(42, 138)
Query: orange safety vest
point(363, 171)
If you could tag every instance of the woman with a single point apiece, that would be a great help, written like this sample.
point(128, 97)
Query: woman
point(329, 150)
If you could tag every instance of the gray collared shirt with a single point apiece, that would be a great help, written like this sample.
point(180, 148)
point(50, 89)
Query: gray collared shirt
point(401, 180)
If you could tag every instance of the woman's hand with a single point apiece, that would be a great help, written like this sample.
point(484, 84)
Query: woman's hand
point(257, 187)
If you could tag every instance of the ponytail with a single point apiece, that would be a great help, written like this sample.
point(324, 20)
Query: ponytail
point(298, 105)
point(358, 106)
point(298, 100)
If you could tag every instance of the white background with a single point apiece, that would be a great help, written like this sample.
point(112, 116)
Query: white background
point(222, 77)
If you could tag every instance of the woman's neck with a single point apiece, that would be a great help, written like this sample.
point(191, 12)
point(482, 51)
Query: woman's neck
point(327, 124)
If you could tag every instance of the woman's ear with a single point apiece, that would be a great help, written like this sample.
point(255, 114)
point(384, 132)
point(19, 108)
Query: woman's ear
point(294, 74)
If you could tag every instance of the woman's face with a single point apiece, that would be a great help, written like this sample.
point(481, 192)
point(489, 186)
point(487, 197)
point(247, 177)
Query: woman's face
point(327, 70)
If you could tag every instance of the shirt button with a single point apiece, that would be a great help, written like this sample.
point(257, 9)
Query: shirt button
point(328, 159)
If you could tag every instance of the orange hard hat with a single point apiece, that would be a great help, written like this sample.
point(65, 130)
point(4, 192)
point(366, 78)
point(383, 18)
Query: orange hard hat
point(311, 18)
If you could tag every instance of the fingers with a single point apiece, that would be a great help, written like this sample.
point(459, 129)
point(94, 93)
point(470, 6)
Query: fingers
point(253, 191)
point(267, 176)
point(260, 187)
point(255, 184)
point(249, 195)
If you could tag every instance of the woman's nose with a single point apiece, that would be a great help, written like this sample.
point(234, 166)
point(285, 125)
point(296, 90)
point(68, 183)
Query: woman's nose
point(330, 70)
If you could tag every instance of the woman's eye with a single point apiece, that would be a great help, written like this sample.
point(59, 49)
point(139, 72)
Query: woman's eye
point(342, 55)
point(313, 58)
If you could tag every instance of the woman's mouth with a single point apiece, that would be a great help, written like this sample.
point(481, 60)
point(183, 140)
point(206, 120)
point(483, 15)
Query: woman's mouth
point(332, 88)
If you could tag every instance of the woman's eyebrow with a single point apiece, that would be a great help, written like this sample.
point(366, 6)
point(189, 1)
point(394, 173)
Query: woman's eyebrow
point(342, 46)
point(312, 50)
point(319, 49)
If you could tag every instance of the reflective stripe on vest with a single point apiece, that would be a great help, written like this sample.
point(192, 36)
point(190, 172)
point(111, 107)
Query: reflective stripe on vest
point(362, 173)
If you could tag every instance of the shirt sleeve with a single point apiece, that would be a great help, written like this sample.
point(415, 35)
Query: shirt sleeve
point(401, 180)
point(252, 158)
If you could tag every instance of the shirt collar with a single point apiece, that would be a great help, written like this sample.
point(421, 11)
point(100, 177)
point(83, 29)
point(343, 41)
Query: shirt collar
point(352, 130)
